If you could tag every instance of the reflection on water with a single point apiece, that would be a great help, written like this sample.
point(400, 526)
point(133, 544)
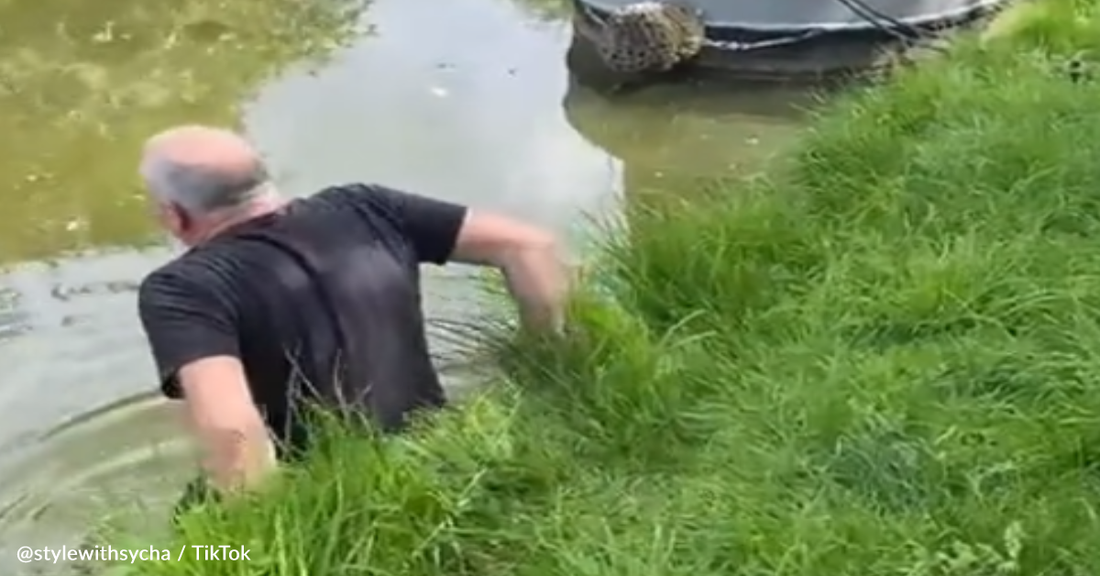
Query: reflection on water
point(83, 83)
point(703, 129)
point(13, 321)
point(80, 349)
point(460, 99)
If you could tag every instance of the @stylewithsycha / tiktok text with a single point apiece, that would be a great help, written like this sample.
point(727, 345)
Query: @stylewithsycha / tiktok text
point(198, 552)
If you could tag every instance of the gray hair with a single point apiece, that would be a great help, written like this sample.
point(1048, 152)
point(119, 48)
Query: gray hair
point(200, 189)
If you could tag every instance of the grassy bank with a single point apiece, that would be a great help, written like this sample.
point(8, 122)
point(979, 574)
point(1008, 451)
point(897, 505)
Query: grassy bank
point(883, 361)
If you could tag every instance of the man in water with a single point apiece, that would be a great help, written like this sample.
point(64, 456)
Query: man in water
point(316, 298)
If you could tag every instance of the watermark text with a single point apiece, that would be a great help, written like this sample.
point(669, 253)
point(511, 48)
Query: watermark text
point(195, 552)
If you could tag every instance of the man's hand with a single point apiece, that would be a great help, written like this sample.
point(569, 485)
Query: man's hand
point(529, 260)
point(231, 432)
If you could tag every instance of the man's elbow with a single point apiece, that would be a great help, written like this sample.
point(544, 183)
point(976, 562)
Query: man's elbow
point(537, 246)
point(536, 267)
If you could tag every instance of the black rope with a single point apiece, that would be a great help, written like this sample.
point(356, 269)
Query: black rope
point(883, 22)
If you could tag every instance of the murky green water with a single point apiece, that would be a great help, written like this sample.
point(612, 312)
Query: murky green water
point(465, 99)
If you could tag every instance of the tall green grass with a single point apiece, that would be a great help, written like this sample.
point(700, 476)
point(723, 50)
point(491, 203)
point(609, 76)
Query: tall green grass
point(884, 361)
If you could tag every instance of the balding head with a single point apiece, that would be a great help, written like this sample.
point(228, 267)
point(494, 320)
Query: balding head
point(202, 169)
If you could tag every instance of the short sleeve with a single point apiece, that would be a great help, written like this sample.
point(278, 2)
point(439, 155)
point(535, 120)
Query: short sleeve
point(183, 323)
point(431, 226)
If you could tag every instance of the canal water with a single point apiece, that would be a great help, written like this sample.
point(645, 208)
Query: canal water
point(467, 100)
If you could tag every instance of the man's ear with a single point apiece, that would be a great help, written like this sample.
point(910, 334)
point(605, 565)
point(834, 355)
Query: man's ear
point(178, 219)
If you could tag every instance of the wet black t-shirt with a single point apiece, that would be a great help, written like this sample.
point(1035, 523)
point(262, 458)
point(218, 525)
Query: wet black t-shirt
point(320, 300)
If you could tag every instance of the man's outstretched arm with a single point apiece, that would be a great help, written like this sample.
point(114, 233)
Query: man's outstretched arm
point(442, 232)
point(194, 343)
point(528, 257)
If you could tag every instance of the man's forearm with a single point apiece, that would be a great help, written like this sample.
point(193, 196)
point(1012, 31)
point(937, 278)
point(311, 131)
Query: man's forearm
point(237, 458)
point(539, 283)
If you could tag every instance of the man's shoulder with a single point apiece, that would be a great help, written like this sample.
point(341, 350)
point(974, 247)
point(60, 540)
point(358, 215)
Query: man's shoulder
point(357, 194)
point(186, 263)
point(185, 274)
point(173, 273)
point(380, 206)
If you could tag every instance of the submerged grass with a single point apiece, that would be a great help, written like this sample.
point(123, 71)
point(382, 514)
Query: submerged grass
point(883, 361)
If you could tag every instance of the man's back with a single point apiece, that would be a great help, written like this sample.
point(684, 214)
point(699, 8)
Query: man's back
point(320, 300)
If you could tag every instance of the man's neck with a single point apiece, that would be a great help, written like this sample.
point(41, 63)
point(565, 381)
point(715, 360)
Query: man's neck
point(234, 216)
